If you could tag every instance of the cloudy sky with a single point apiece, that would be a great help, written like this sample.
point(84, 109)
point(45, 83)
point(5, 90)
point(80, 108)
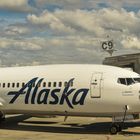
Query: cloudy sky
point(34, 32)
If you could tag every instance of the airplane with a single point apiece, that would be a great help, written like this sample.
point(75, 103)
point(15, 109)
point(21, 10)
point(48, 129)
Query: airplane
point(87, 90)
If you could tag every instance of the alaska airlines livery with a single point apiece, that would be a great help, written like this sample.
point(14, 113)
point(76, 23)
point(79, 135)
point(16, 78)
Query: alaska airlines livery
point(71, 90)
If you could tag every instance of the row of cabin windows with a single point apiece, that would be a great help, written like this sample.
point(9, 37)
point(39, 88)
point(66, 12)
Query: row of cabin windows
point(44, 84)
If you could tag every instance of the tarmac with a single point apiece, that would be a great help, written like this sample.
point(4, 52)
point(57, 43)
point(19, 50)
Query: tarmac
point(23, 127)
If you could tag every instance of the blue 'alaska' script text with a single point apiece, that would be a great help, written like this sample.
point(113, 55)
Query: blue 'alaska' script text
point(33, 94)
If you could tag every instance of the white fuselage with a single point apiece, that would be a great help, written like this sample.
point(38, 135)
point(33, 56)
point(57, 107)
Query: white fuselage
point(79, 90)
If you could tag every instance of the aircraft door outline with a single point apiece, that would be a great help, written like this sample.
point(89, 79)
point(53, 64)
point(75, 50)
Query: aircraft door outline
point(96, 85)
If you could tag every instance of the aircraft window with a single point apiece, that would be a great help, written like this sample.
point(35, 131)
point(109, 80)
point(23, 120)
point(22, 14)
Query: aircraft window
point(33, 85)
point(130, 81)
point(126, 81)
point(44, 84)
point(60, 84)
point(23, 84)
point(49, 84)
point(122, 81)
point(71, 84)
point(8, 85)
point(13, 85)
point(137, 80)
point(17, 84)
point(54, 84)
point(65, 84)
point(39, 84)
point(3, 84)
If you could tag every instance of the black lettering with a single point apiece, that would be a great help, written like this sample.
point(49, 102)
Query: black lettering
point(55, 97)
point(35, 91)
point(79, 96)
point(66, 93)
point(104, 45)
point(65, 98)
point(29, 92)
point(43, 96)
point(21, 91)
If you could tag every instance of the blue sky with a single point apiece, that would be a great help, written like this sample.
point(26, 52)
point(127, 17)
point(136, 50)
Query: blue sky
point(34, 32)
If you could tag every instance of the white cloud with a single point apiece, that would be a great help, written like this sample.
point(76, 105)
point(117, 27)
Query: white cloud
point(64, 42)
point(68, 34)
point(90, 27)
point(131, 42)
point(19, 44)
point(49, 19)
point(37, 50)
point(39, 43)
point(68, 4)
point(89, 4)
point(16, 5)
point(119, 20)
point(67, 21)
point(83, 22)
point(16, 30)
point(123, 3)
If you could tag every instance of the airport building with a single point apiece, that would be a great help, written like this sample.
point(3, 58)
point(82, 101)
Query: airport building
point(130, 61)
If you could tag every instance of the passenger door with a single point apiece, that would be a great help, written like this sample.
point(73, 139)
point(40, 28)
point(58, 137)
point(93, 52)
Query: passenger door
point(96, 85)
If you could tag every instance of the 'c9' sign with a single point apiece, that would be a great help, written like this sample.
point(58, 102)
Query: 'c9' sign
point(107, 45)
